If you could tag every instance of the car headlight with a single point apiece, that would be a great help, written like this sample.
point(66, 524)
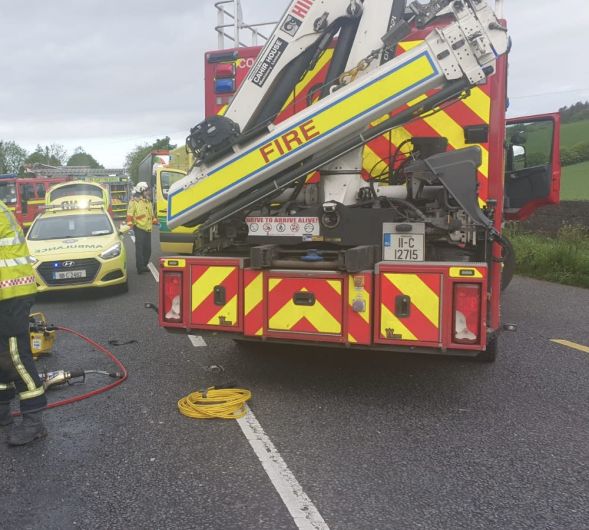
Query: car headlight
point(112, 252)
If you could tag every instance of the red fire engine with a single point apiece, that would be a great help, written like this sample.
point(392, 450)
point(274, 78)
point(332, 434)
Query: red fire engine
point(353, 187)
point(25, 197)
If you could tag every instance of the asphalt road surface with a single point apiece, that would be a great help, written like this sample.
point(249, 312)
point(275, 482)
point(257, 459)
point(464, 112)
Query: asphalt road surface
point(374, 440)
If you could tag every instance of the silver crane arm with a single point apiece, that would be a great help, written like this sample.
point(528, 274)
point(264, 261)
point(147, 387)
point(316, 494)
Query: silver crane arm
point(466, 48)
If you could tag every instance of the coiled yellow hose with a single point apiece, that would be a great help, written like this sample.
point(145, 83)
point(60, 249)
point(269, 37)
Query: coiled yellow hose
point(225, 403)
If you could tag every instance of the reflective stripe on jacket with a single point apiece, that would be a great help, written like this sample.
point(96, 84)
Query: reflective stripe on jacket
point(140, 214)
point(16, 272)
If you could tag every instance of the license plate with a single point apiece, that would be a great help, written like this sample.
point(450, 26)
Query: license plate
point(69, 275)
point(404, 247)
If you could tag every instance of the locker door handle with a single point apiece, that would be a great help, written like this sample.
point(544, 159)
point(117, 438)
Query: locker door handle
point(219, 295)
point(303, 298)
point(403, 306)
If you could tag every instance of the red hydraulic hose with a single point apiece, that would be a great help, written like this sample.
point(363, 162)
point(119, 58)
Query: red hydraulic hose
point(101, 390)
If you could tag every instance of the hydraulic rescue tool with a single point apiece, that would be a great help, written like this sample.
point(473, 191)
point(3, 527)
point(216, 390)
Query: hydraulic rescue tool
point(42, 340)
point(296, 240)
point(61, 377)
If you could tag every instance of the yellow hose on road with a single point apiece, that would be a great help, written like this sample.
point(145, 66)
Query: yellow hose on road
point(224, 403)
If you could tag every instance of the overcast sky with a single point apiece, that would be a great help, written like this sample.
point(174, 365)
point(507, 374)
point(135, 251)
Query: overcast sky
point(111, 74)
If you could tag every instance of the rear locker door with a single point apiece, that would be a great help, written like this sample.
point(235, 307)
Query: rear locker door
point(409, 308)
point(300, 304)
point(215, 299)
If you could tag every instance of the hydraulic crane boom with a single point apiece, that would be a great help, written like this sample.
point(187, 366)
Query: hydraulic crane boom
point(243, 151)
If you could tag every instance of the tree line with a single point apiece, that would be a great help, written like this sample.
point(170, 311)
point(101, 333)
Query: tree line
point(576, 112)
point(14, 158)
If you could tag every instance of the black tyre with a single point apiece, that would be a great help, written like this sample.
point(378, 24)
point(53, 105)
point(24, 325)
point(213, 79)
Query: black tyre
point(121, 289)
point(490, 354)
point(508, 265)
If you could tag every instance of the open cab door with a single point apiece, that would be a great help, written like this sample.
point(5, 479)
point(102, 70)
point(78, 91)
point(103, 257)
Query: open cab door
point(532, 164)
point(181, 239)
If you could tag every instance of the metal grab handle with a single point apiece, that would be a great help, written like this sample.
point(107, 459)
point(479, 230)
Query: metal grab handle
point(304, 298)
point(403, 306)
point(219, 295)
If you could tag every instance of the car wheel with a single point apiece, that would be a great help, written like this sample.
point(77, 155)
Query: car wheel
point(122, 288)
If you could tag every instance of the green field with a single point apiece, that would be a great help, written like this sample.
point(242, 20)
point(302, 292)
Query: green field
point(574, 133)
point(539, 136)
point(574, 185)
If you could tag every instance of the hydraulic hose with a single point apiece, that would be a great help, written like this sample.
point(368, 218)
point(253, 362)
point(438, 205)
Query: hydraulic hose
point(106, 388)
point(98, 391)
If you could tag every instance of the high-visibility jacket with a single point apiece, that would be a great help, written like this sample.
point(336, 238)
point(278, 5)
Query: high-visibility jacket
point(140, 214)
point(16, 272)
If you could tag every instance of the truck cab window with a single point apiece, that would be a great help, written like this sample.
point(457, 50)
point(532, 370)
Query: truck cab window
point(7, 193)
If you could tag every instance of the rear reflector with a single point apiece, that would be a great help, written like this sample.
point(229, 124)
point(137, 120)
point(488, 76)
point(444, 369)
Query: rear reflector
point(467, 313)
point(172, 302)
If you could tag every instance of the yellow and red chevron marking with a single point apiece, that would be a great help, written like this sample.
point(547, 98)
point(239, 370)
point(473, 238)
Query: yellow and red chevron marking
point(448, 123)
point(325, 316)
point(253, 307)
point(423, 322)
point(360, 308)
point(204, 310)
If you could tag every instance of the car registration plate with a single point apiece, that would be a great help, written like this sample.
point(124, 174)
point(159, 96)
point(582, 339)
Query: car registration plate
point(404, 247)
point(69, 275)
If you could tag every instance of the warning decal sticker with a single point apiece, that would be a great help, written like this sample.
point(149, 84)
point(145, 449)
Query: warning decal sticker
point(283, 226)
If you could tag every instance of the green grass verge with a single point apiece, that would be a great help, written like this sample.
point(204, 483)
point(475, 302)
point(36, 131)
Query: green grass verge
point(563, 259)
point(574, 184)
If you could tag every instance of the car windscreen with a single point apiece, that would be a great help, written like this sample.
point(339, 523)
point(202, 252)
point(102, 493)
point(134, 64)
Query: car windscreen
point(76, 189)
point(67, 226)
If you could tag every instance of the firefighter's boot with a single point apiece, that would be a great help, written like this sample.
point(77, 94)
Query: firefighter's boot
point(5, 417)
point(31, 428)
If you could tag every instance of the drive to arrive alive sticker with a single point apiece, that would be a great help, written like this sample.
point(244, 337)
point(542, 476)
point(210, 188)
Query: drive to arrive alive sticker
point(283, 226)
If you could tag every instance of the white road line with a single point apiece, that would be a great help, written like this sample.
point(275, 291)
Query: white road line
point(154, 271)
point(197, 341)
point(133, 239)
point(303, 511)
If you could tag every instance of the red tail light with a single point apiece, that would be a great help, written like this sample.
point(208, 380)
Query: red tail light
point(466, 327)
point(172, 302)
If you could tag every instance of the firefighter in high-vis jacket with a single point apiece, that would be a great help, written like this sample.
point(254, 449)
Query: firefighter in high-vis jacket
point(18, 372)
point(141, 218)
